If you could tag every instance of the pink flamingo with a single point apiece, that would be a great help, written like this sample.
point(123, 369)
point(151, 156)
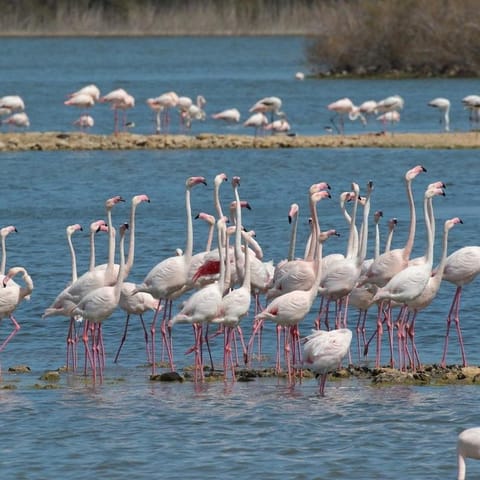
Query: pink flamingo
point(410, 282)
point(18, 120)
point(431, 289)
point(82, 100)
point(169, 276)
point(393, 261)
point(162, 104)
point(267, 104)
point(11, 296)
point(289, 309)
point(98, 305)
point(340, 108)
point(204, 304)
point(4, 232)
point(91, 90)
point(84, 122)
point(120, 100)
point(462, 268)
point(324, 352)
point(231, 115)
point(258, 121)
point(12, 103)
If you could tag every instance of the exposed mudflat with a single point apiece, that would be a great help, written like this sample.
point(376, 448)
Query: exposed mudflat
point(129, 141)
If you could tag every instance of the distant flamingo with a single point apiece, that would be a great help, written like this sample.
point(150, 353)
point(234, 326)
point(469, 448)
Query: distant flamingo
point(468, 446)
point(390, 104)
point(279, 126)
point(391, 117)
point(368, 108)
point(91, 90)
point(120, 100)
point(84, 122)
point(82, 100)
point(231, 115)
point(472, 103)
point(12, 103)
point(462, 268)
point(18, 120)
point(340, 108)
point(443, 105)
point(325, 350)
point(11, 294)
point(258, 121)
point(267, 104)
point(161, 105)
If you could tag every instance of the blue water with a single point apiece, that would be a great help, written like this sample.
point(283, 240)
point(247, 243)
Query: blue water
point(129, 427)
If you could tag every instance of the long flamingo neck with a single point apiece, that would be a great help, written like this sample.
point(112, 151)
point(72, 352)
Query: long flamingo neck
point(221, 242)
point(121, 271)
point(315, 231)
point(238, 236)
point(73, 256)
point(92, 252)
point(377, 241)
point(362, 251)
point(247, 275)
point(131, 243)
point(216, 200)
point(407, 250)
point(210, 238)
point(428, 226)
point(189, 245)
point(111, 247)
point(443, 260)
point(293, 239)
point(4, 256)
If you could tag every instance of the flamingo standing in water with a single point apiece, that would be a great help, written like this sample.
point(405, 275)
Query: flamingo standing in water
point(324, 352)
point(119, 100)
point(12, 103)
point(443, 106)
point(267, 104)
point(169, 277)
point(98, 305)
point(393, 261)
point(84, 122)
point(18, 120)
point(258, 121)
point(462, 268)
point(472, 104)
point(340, 108)
point(11, 294)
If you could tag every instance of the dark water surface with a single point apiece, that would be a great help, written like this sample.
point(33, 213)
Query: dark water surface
point(129, 427)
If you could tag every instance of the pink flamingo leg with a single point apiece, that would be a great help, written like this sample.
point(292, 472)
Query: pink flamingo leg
point(16, 328)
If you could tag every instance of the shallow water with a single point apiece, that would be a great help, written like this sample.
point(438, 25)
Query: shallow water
point(129, 427)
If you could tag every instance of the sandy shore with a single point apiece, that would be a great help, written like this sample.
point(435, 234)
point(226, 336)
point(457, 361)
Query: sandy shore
point(129, 141)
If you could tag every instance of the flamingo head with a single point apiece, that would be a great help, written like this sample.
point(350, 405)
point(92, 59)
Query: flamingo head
point(293, 212)
point(192, 181)
point(140, 198)
point(413, 172)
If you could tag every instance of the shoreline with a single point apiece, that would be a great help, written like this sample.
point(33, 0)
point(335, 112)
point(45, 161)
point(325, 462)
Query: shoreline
point(50, 141)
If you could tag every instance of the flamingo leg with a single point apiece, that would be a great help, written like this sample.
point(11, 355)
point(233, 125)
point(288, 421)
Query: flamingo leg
point(16, 328)
point(124, 337)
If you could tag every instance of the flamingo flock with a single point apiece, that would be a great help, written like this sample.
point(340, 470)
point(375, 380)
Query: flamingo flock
point(264, 116)
point(229, 286)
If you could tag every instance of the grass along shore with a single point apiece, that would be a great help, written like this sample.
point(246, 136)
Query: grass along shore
point(49, 141)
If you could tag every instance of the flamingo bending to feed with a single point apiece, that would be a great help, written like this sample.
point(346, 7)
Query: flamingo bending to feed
point(443, 106)
point(11, 294)
point(325, 350)
point(340, 108)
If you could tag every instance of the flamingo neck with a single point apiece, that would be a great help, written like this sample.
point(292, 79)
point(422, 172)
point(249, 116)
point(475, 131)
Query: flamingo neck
point(131, 243)
point(293, 239)
point(407, 250)
point(4, 256)
point(189, 245)
point(109, 272)
point(121, 271)
point(74, 258)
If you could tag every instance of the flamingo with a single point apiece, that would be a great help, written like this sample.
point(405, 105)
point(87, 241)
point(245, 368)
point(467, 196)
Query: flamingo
point(267, 104)
point(12, 103)
point(391, 117)
point(91, 90)
point(279, 126)
point(393, 261)
point(11, 296)
point(472, 103)
point(325, 350)
point(258, 121)
point(169, 276)
point(300, 76)
point(231, 115)
point(161, 105)
point(98, 305)
point(468, 446)
point(120, 100)
point(443, 105)
point(368, 108)
point(292, 307)
point(462, 268)
point(410, 282)
point(19, 120)
point(390, 104)
point(81, 100)
point(340, 108)
point(203, 305)
point(433, 285)
point(84, 122)
point(91, 279)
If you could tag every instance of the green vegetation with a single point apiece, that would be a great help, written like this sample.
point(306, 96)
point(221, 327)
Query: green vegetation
point(345, 37)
